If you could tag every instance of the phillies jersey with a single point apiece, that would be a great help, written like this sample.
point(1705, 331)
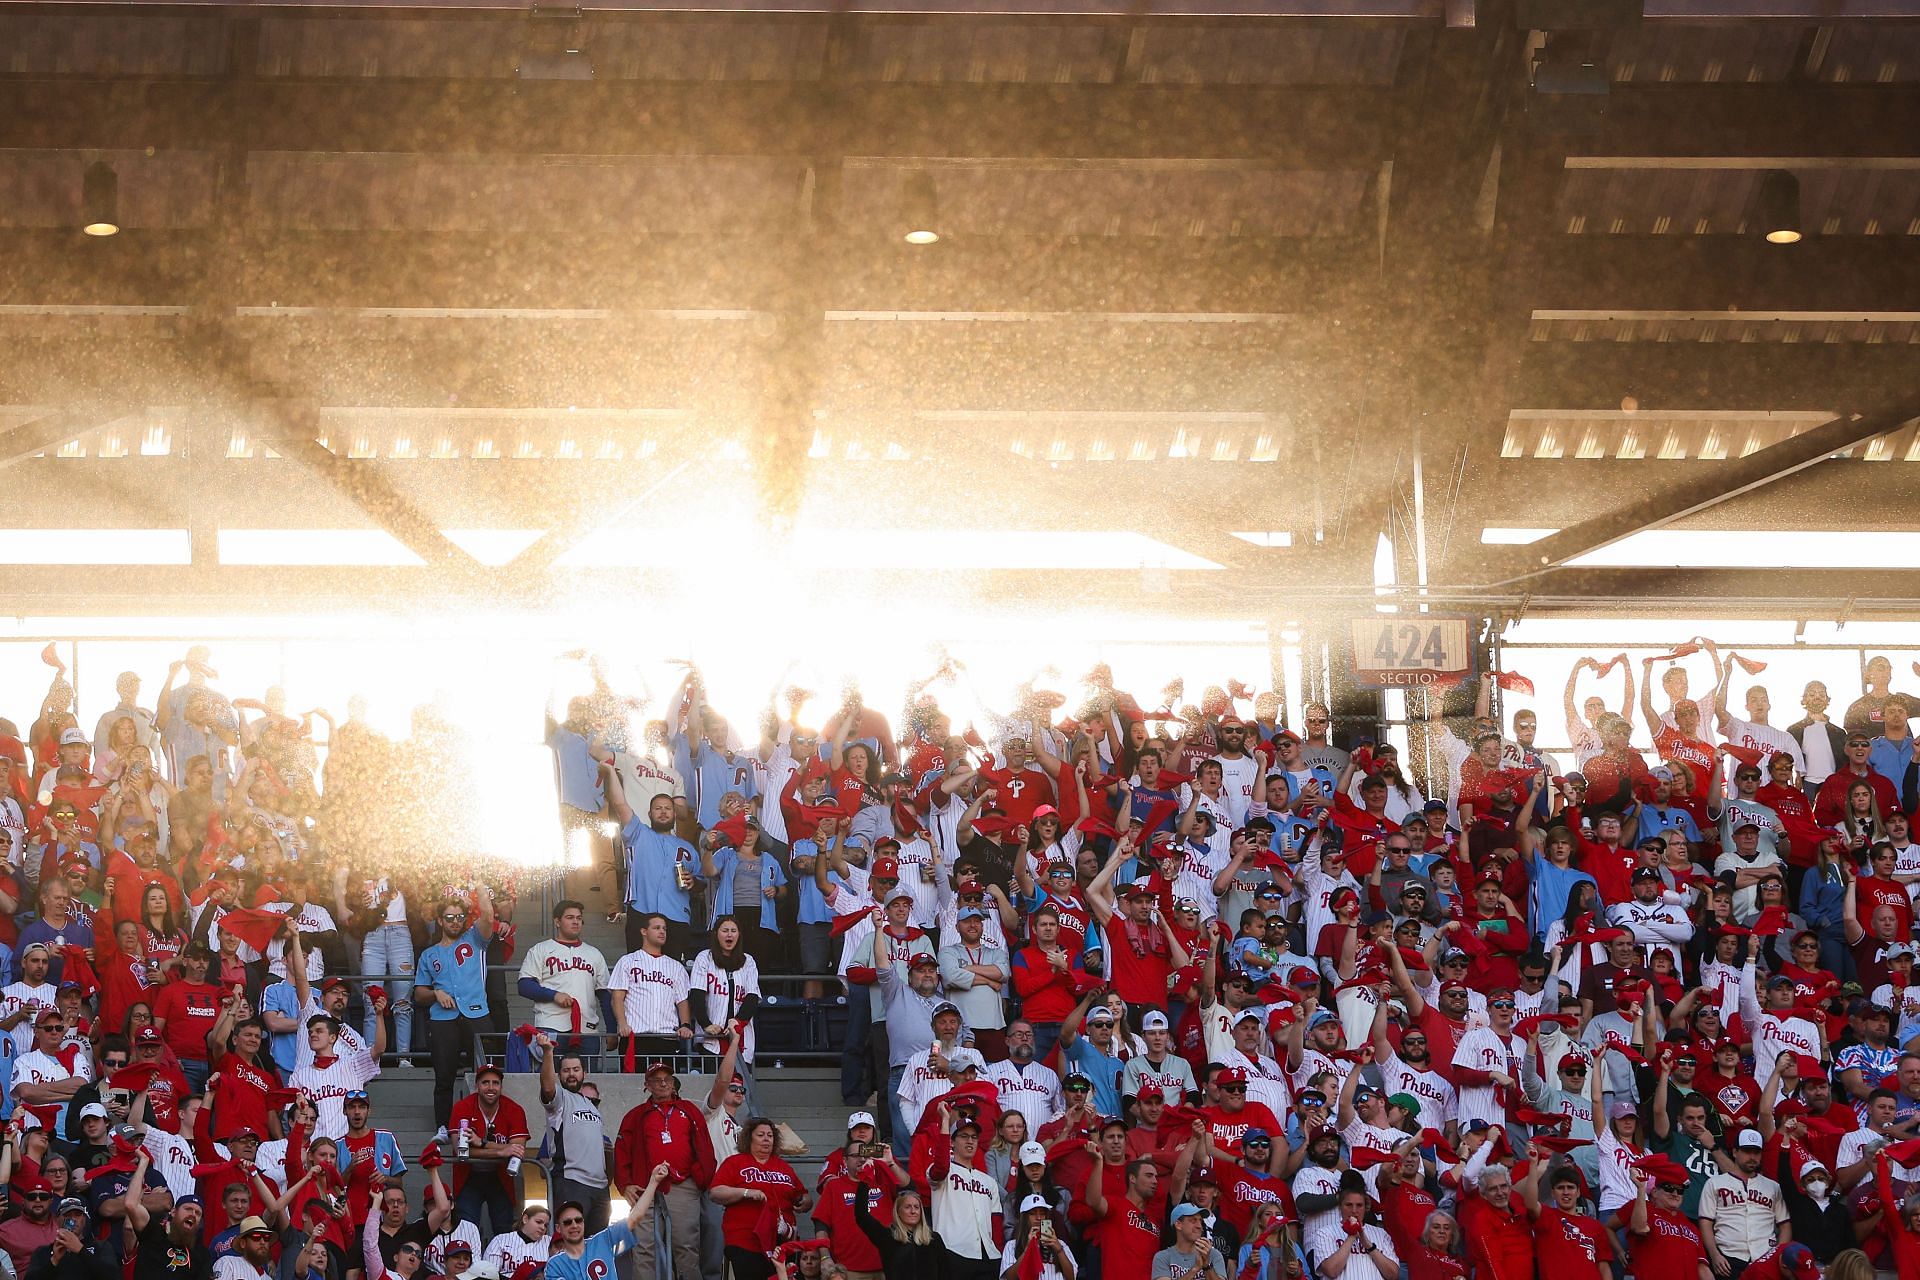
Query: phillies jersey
point(1570, 1246)
point(650, 988)
point(460, 969)
point(329, 1083)
point(510, 1250)
point(1021, 791)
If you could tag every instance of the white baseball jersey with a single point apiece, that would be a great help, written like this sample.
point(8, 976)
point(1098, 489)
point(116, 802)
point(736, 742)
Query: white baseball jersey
point(1774, 1035)
point(725, 989)
point(577, 971)
point(18, 995)
point(921, 1084)
point(1033, 1092)
point(436, 1250)
point(650, 989)
point(352, 1044)
point(1266, 1080)
point(234, 1267)
point(1482, 1049)
point(1656, 925)
point(313, 918)
point(1238, 778)
point(173, 1158)
point(1438, 1099)
point(329, 1085)
point(509, 1249)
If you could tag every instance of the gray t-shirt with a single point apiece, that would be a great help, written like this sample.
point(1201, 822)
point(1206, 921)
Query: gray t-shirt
point(746, 889)
point(578, 1135)
point(1176, 1264)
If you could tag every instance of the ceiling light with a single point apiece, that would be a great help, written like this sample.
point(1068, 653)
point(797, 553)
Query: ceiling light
point(1780, 207)
point(100, 200)
point(922, 209)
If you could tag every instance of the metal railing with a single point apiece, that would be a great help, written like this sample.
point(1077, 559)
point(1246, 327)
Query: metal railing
point(789, 1030)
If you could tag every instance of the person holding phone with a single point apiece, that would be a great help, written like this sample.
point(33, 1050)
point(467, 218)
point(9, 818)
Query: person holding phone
point(1034, 1232)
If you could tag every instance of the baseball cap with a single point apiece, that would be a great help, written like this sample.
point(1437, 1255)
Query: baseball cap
point(1033, 1202)
point(898, 894)
point(148, 1034)
point(885, 868)
point(1255, 1133)
point(1406, 1102)
point(925, 958)
point(1077, 1080)
point(1032, 1153)
point(1231, 1075)
point(970, 913)
point(1141, 888)
point(1249, 1015)
point(1045, 811)
point(1179, 1211)
point(74, 1204)
point(1899, 950)
point(859, 1118)
point(1644, 874)
point(1155, 1021)
point(72, 737)
point(1749, 1140)
point(964, 1059)
point(1434, 806)
point(489, 1069)
point(945, 1006)
point(94, 1109)
point(1321, 1017)
point(658, 1065)
point(1663, 773)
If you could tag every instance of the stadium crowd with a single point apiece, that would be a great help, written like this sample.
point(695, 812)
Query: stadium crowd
point(1121, 993)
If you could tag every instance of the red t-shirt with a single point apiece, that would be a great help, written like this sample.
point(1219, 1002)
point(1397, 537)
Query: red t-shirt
point(1424, 1264)
point(1500, 1242)
point(834, 1216)
point(1570, 1246)
point(1405, 1208)
point(1736, 1098)
point(189, 1009)
point(240, 1097)
point(1021, 791)
point(1870, 894)
point(740, 1223)
point(508, 1124)
point(1671, 1247)
point(1443, 1037)
point(1696, 755)
point(1138, 961)
point(165, 1092)
point(1228, 1127)
point(1242, 1193)
point(1128, 1239)
point(362, 1150)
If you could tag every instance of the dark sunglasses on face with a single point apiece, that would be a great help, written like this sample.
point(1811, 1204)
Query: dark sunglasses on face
point(1233, 1088)
point(1312, 1100)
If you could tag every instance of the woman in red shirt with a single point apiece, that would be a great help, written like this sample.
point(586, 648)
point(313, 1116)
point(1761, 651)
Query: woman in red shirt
point(1435, 1256)
point(760, 1194)
point(122, 969)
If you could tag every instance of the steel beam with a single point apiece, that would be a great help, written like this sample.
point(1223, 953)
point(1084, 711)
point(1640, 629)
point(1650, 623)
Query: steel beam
point(1678, 501)
point(39, 434)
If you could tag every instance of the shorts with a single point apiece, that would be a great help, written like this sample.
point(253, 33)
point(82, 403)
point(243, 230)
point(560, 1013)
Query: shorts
point(816, 948)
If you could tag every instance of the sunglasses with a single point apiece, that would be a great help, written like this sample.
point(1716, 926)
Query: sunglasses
point(1500, 1004)
point(1251, 1143)
point(1233, 1088)
point(1573, 1071)
point(1312, 1100)
point(38, 1195)
point(1079, 1088)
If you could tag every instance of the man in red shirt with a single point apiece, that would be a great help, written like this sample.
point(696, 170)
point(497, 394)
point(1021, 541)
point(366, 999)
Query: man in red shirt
point(1491, 937)
point(1499, 1237)
point(1124, 1228)
point(1662, 1241)
point(1142, 951)
point(186, 1009)
point(1234, 1118)
point(833, 1214)
point(1830, 802)
point(497, 1132)
point(1405, 1202)
point(1445, 1025)
point(1021, 787)
point(666, 1129)
point(1569, 1244)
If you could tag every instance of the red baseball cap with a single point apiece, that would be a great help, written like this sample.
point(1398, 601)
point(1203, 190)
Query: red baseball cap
point(1231, 1075)
point(885, 869)
point(148, 1034)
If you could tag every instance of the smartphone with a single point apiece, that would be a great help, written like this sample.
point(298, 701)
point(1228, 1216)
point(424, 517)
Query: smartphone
point(872, 1150)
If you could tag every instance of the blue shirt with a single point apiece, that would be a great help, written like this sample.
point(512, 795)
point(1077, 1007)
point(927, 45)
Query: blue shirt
point(720, 898)
point(651, 883)
point(386, 1156)
point(460, 969)
point(813, 904)
point(74, 933)
point(1102, 1068)
point(579, 772)
point(1658, 821)
point(1552, 886)
point(596, 1260)
point(1141, 801)
point(1889, 759)
point(280, 998)
point(715, 774)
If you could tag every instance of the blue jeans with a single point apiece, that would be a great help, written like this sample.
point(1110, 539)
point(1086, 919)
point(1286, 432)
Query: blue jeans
point(902, 1136)
point(854, 1086)
point(388, 951)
